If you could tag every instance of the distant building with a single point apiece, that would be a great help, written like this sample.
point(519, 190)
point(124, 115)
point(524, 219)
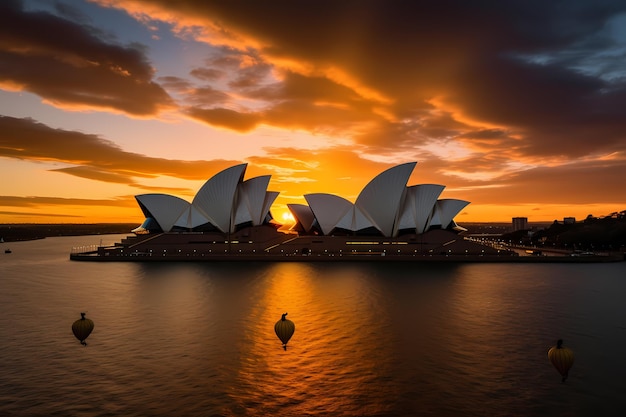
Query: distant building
point(520, 223)
point(569, 220)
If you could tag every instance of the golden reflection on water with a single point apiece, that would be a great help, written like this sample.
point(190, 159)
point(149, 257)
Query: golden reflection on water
point(332, 343)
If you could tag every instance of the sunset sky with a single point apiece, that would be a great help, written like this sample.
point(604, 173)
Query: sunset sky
point(516, 106)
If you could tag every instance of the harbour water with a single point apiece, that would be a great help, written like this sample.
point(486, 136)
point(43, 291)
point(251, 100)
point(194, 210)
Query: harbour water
point(197, 339)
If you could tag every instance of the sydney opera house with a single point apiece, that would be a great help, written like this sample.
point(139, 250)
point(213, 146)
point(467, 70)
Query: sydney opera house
point(230, 219)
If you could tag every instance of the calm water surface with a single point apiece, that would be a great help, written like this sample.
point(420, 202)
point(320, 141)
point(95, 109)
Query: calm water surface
point(197, 339)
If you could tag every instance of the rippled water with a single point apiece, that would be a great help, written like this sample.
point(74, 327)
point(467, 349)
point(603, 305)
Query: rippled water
point(187, 339)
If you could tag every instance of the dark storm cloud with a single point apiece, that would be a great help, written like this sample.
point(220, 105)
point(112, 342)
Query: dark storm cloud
point(539, 68)
point(70, 65)
point(439, 70)
point(551, 105)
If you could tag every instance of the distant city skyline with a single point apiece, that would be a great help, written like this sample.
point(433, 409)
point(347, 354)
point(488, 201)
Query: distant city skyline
point(517, 107)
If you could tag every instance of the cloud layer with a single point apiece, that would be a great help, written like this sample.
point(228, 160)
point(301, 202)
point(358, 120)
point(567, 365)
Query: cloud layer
point(517, 102)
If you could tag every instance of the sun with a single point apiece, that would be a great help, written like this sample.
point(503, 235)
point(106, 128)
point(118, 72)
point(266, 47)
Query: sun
point(288, 217)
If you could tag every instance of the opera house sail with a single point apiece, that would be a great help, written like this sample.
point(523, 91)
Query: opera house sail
point(230, 219)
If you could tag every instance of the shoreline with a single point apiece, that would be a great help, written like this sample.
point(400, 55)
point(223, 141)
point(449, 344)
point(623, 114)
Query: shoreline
point(23, 232)
point(94, 257)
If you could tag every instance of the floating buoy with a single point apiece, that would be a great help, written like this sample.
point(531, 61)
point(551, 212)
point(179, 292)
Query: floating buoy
point(82, 328)
point(284, 329)
point(562, 358)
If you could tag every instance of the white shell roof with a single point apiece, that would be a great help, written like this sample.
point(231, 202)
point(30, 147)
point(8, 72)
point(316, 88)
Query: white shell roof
point(446, 209)
point(385, 203)
point(380, 199)
point(163, 208)
point(216, 198)
point(225, 201)
point(251, 200)
point(270, 197)
point(354, 220)
point(418, 206)
point(328, 209)
point(303, 215)
point(377, 205)
point(191, 218)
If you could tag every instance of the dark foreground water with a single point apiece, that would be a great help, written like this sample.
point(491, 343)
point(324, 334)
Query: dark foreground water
point(185, 339)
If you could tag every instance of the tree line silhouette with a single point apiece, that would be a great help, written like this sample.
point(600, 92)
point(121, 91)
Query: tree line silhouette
point(606, 233)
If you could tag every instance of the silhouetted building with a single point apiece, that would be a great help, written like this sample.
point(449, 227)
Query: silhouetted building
point(226, 203)
point(569, 220)
point(520, 223)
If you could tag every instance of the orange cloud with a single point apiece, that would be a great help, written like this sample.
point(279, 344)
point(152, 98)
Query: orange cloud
point(96, 157)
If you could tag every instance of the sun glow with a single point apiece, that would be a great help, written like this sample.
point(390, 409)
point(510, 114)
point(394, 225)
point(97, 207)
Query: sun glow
point(288, 217)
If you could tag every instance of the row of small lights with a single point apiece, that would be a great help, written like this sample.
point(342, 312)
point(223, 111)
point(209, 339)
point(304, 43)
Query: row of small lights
point(282, 251)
